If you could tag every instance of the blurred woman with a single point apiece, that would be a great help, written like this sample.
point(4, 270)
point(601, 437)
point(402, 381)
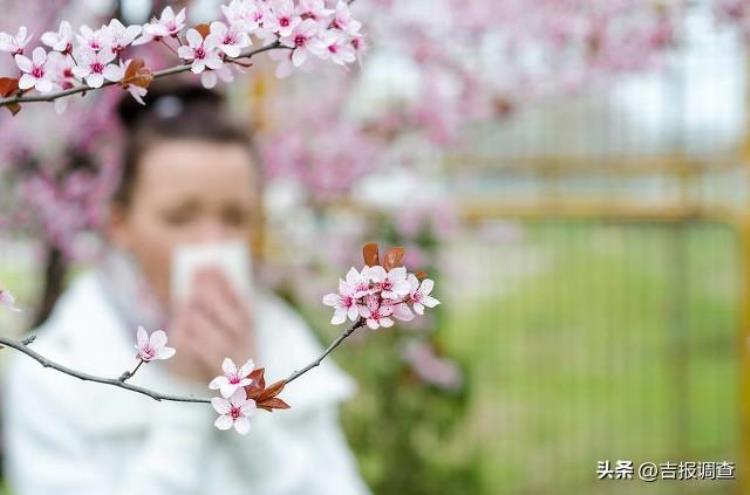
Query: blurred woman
point(189, 178)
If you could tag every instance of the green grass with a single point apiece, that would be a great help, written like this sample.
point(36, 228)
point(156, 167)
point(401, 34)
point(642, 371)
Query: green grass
point(617, 343)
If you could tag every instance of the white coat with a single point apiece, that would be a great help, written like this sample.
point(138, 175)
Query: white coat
point(68, 437)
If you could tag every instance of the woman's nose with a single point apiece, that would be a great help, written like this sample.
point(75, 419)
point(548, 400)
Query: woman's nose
point(211, 231)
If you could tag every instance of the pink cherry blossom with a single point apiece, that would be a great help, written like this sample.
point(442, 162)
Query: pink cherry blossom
point(152, 347)
point(344, 303)
point(315, 10)
point(95, 40)
point(35, 71)
point(376, 313)
point(231, 39)
point(8, 301)
point(15, 44)
point(335, 45)
point(359, 281)
point(302, 39)
point(62, 40)
point(419, 294)
point(245, 15)
point(393, 284)
point(282, 18)
point(344, 21)
point(203, 53)
point(95, 66)
point(236, 411)
point(233, 378)
point(168, 25)
point(121, 37)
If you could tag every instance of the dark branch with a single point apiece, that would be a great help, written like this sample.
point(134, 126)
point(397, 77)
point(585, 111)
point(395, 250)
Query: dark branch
point(158, 74)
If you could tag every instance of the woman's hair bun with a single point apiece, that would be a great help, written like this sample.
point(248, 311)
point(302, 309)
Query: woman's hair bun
point(165, 102)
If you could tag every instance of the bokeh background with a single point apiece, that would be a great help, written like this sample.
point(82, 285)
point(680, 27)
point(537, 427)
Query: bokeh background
point(572, 172)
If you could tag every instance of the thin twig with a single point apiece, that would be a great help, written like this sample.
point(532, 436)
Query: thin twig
point(115, 382)
point(23, 347)
point(158, 74)
point(127, 375)
point(346, 333)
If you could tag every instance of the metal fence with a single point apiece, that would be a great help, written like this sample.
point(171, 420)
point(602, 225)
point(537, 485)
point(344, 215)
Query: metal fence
point(612, 326)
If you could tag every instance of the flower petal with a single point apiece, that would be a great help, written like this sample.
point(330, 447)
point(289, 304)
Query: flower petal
point(142, 337)
point(158, 339)
point(24, 63)
point(228, 389)
point(339, 316)
point(221, 406)
point(242, 426)
point(246, 368)
point(238, 398)
point(223, 422)
point(426, 287)
point(228, 367)
point(331, 299)
point(166, 353)
point(430, 301)
point(217, 382)
point(194, 38)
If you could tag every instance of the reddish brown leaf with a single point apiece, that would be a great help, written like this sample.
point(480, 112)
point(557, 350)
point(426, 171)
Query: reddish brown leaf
point(137, 74)
point(258, 378)
point(8, 86)
point(203, 29)
point(393, 258)
point(273, 403)
point(371, 254)
point(272, 390)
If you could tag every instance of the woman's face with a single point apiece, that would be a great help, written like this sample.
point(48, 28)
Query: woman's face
point(186, 191)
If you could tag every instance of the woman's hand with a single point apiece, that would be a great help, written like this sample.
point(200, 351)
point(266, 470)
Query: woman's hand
point(214, 323)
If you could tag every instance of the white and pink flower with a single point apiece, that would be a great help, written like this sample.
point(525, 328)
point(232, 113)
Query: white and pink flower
point(315, 10)
point(344, 21)
point(35, 73)
point(376, 313)
point(302, 39)
point(231, 39)
point(245, 15)
point(94, 67)
point(419, 294)
point(153, 347)
point(335, 45)
point(202, 53)
point(344, 303)
point(95, 40)
point(281, 18)
point(15, 44)
point(392, 284)
point(235, 411)
point(169, 24)
point(120, 36)
point(233, 378)
point(62, 40)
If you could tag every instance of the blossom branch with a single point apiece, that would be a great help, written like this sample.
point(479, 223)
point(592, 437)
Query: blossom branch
point(177, 69)
point(22, 347)
point(372, 297)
